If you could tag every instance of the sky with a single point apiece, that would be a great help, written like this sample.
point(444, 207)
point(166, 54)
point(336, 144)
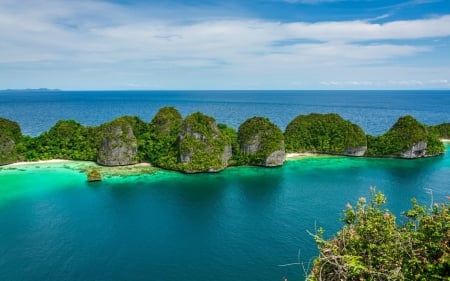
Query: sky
point(224, 45)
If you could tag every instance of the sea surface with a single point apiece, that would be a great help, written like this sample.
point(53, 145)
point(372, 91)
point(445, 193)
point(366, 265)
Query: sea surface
point(245, 223)
point(374, 111)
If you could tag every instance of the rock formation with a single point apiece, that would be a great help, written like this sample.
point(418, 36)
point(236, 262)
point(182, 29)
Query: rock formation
point(10, 135)
point(417, 150)
point(94, 175)
point(262, 142)
point(119, 145)
point(202, 147)
point(407, 138)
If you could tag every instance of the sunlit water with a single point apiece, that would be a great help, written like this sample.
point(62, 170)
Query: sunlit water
point(240, 224)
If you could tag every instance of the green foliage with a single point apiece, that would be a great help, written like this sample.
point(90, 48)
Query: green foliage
point(258, 138)
point(160, 144)
point(442, 130)
point(202, 144)
point(372, 246)
point(231, 137)
point(139, 127)
point(324, 133)
point(405, 133)
point(94, 175)
point(10, 136)
point(66, 140)
point(10, 129)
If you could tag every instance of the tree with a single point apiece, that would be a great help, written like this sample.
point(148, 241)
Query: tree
point(372, 246)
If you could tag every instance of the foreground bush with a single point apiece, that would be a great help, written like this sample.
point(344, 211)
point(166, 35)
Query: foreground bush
point(372, 246)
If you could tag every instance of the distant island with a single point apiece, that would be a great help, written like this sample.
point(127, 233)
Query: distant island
point(29, 90)
point(197, 144)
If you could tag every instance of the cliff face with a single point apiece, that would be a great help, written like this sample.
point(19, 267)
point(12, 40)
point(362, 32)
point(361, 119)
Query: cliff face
point(202, 147)
point(10, 135)
point(417, 150)
point(8, 153)
point(407, 138)
point(356, 151)
point(119, 145)
point(262, 142)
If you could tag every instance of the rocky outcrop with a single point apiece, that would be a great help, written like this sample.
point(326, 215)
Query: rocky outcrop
point(407, 138)
point(8, 153)
point(94, 175)
point(262, 142)
point(202, 147)
point(357, 151)
point(10, 135)
point(276, 158)
point(416, 151)
point(119, 145)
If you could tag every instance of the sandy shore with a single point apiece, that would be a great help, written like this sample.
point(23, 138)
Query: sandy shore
point(297, 155)
point(39, 162)
point(85, 166)
point(445, 140)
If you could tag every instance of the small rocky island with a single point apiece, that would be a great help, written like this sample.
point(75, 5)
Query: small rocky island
point(197, 144)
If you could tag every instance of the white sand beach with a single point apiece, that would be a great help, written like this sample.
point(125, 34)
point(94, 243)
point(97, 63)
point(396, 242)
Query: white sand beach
point(52, 161)
point(297, 155)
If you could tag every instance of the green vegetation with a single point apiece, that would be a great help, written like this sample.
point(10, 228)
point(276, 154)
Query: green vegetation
point(258, 139)
point(372, 246)
point(10, 137)
point(324, 133)
point(160, 145)
point(94, 175)
point(66, 140)
point(198, 144)
point(404, 134)
point(202, 145)
point(442, 130)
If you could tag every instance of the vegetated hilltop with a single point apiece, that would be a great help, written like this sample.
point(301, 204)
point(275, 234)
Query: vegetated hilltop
point(373, 246)
point(325, 133)
point(198, 144)
point(261, 143)
point(407, 138)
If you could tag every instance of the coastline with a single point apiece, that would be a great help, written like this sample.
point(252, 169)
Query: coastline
point(86, 166)
point(139, 168)
point(51, 161)
point(299, 155)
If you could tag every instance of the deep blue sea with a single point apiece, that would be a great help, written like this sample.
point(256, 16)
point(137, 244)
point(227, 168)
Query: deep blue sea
point(240, 224)
point(375, 111)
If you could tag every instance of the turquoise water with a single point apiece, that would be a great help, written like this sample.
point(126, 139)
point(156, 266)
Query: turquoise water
point(239, 224)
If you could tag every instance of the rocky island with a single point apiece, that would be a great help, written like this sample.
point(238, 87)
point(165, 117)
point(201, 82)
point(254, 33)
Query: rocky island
point(197, 144)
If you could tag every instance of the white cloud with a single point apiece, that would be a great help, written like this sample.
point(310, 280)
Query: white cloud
point(91, 36)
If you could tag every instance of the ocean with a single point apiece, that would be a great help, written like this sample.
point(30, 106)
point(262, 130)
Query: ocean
point(242, 223)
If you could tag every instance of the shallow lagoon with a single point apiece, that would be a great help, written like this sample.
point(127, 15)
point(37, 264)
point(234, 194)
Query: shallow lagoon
point(239, 224)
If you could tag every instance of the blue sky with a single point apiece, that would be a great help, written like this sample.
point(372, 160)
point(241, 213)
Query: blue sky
point(209, 44)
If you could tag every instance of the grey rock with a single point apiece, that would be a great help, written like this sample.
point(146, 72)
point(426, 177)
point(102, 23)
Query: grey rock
point(356, 151)
point(8, 153)
point(416, 151)
point(275, 159)
point(119, 146)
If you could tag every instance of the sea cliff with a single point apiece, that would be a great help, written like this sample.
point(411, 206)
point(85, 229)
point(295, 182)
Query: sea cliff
point(197, 144)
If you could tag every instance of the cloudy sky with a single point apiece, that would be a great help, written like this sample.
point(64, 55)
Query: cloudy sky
point(237, 44)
